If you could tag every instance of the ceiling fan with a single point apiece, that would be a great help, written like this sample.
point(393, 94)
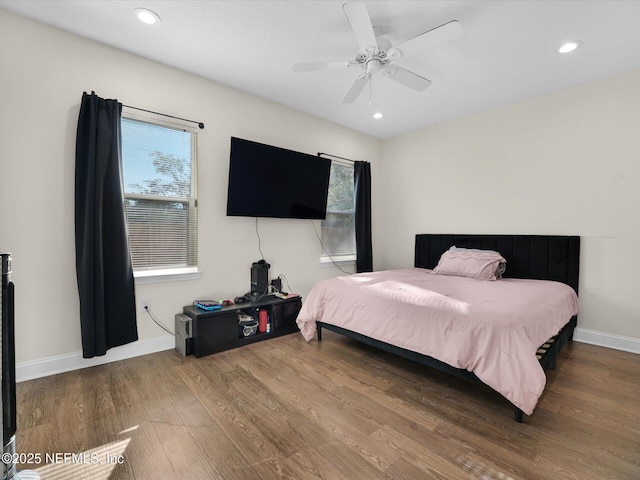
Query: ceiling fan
point(377, 54)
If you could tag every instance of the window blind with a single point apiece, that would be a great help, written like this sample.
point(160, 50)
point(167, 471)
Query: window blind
point(338, 229)
point(160, 178)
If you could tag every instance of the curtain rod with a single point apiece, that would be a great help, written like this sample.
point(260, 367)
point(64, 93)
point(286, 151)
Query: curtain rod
point(200, 124)
point(336, 156)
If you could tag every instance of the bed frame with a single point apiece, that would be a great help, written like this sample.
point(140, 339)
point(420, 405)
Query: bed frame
point(539, 257)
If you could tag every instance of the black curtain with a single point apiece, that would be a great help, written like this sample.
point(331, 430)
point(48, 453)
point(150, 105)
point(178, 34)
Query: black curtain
point(362, 184)
point(103, 262)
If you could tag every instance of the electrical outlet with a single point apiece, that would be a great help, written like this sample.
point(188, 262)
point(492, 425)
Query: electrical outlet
point(146, 303)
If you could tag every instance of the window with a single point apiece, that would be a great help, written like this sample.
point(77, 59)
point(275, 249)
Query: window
point(160, 180)
point(338, 229)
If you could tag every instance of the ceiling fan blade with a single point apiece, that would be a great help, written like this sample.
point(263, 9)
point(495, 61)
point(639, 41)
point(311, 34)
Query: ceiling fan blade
point(314, 66)
point(406, 78)
point(356, 88)
point(436, 36)
point(360, 22)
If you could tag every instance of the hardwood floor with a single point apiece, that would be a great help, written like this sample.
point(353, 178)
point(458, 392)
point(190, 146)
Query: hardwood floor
point(334, 410)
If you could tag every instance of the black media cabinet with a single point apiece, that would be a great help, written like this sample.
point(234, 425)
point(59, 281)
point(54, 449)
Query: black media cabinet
point(216, 331)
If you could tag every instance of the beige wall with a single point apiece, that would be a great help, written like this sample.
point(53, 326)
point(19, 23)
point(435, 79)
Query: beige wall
point(43, 74)
point(565, 163)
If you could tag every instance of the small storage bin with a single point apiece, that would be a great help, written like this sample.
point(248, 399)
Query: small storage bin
point(247, 325)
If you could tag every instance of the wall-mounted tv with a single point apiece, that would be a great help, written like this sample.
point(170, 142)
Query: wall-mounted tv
point(267, 181)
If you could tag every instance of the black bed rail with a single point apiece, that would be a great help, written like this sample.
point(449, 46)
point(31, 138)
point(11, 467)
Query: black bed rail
point(546, 354)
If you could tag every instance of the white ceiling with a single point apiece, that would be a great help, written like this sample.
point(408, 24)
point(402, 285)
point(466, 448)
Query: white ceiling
point(508, 51)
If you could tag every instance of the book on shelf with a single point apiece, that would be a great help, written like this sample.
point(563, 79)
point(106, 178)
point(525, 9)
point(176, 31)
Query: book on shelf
point(207, 304)
point(285, 295)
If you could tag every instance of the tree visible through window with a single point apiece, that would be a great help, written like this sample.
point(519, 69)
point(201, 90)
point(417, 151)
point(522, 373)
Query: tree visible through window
point(338, 229)
point(160, 194)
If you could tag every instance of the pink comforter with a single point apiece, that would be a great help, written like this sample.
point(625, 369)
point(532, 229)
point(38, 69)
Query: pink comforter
point(492, 329)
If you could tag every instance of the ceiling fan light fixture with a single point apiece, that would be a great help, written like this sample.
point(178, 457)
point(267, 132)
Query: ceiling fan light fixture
point(569, 46)
point(373, 65)
point(146, 16)
point(378, 115)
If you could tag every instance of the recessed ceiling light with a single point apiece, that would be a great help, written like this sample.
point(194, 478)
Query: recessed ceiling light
point(378, 115)
point(146, 16)
point(570, 46)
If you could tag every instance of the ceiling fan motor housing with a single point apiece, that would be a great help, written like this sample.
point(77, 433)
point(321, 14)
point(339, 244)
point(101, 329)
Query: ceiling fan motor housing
point(373, 61)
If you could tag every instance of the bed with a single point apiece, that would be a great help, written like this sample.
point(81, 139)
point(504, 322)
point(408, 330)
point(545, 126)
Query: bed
point(502, 333)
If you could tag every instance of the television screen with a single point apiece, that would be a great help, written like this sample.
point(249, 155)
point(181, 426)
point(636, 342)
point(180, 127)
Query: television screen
point(266, 181)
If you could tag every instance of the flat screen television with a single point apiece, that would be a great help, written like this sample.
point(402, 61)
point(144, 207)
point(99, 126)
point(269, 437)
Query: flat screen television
point(267, 181)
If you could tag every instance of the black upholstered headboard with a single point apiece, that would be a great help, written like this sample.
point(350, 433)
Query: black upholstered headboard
point(539, 257)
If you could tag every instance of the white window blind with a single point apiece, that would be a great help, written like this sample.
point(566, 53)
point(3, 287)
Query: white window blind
point(338, 232)
point(160, 182)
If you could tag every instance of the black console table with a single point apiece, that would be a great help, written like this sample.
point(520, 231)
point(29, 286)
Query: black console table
point(218, 330)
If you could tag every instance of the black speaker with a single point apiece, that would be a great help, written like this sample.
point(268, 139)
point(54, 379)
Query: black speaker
point(8, 424)
point(260, 277)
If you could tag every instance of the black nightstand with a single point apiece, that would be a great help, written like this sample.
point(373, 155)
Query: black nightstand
point(216, 331)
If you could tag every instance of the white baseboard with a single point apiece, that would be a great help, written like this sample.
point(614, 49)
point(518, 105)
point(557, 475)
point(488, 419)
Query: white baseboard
point(609, 340)
point(74, 361)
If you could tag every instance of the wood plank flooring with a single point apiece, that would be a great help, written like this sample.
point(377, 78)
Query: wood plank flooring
point(332, 410)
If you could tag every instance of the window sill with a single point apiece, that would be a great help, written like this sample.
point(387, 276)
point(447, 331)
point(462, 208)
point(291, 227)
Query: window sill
point(142, 277)
point(340, 260)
